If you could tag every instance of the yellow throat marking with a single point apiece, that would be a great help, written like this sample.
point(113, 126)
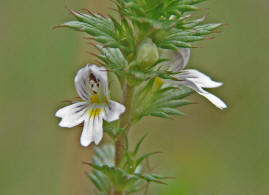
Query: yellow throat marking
point(95, 112)
point(95, 99)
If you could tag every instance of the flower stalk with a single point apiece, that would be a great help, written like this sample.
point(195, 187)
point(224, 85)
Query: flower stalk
point(125, 122)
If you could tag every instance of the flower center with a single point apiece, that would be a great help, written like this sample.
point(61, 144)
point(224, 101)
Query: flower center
point(95, 99)
point(94, 112)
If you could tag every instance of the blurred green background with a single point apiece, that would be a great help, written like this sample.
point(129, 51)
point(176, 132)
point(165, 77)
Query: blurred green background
point(211, 152)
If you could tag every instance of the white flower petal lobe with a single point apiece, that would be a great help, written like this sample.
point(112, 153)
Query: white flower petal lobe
point(197, 81)
point(72, 115)
point(81, 82)
point(214, 100)
point(98, 129)
point(199, 78)
point(178, 59)
point(87, 133)
point(113, 111)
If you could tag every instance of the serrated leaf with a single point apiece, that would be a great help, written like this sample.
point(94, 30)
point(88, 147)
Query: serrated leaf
point(113, 58)
point(101, 28)
point(120, 178)
point(163, 102)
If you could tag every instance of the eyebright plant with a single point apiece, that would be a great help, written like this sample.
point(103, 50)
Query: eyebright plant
point(147, 45)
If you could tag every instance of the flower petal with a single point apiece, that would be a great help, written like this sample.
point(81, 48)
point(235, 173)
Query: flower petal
point(197, 81)
point(199, 78)
point(81, 82)
point(92, 130)
point(113, 111)
point(98, 129)
point(179, 58)
point(87, 133)
point(72, 115)
point(101, 74)
point(214, 100)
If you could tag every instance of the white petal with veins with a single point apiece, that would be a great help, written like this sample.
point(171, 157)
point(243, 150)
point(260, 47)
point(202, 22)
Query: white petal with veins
point(72, 115)
point(197, 81)
point(81, 82)
point(191, 78)
point(87, 133)
point(178, 59)
point(113, 111)
point(199, 78)
point(98, 129)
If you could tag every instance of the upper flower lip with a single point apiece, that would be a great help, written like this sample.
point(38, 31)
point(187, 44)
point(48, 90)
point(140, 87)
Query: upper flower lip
point(178, 59)
point(95, 73)
point(92, 86)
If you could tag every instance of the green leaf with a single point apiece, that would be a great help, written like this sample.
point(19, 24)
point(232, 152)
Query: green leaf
point(159, 114)
point(136, 186)
point(150, 178)
point(143, 157)
point(113, 129)
point(103, 180)
point(139, 144)
point(96, 182)
point(172, 111)
point(172, 103)
point(113, 58)
point(102, 29)
point(121, 179)
point(162, 102)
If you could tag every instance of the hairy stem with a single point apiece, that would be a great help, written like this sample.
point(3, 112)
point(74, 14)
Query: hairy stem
point(128, 92)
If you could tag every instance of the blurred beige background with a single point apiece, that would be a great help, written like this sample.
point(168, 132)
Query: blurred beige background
point(211, 152)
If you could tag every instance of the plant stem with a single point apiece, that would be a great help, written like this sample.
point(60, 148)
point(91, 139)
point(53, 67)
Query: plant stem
point(128, 93)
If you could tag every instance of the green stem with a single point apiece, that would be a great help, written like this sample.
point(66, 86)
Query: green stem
point(125, 122)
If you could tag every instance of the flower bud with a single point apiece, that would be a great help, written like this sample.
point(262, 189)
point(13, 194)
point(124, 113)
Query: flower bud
point(147, 53)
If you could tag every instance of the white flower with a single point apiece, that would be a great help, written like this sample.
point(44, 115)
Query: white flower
point(92, 86)
point(190, 77)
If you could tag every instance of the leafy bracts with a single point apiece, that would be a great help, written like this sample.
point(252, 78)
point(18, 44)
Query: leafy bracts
point(101, 28)
point(165, 21)
point(151, 100)
point(130, 177)
point(183, 35)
